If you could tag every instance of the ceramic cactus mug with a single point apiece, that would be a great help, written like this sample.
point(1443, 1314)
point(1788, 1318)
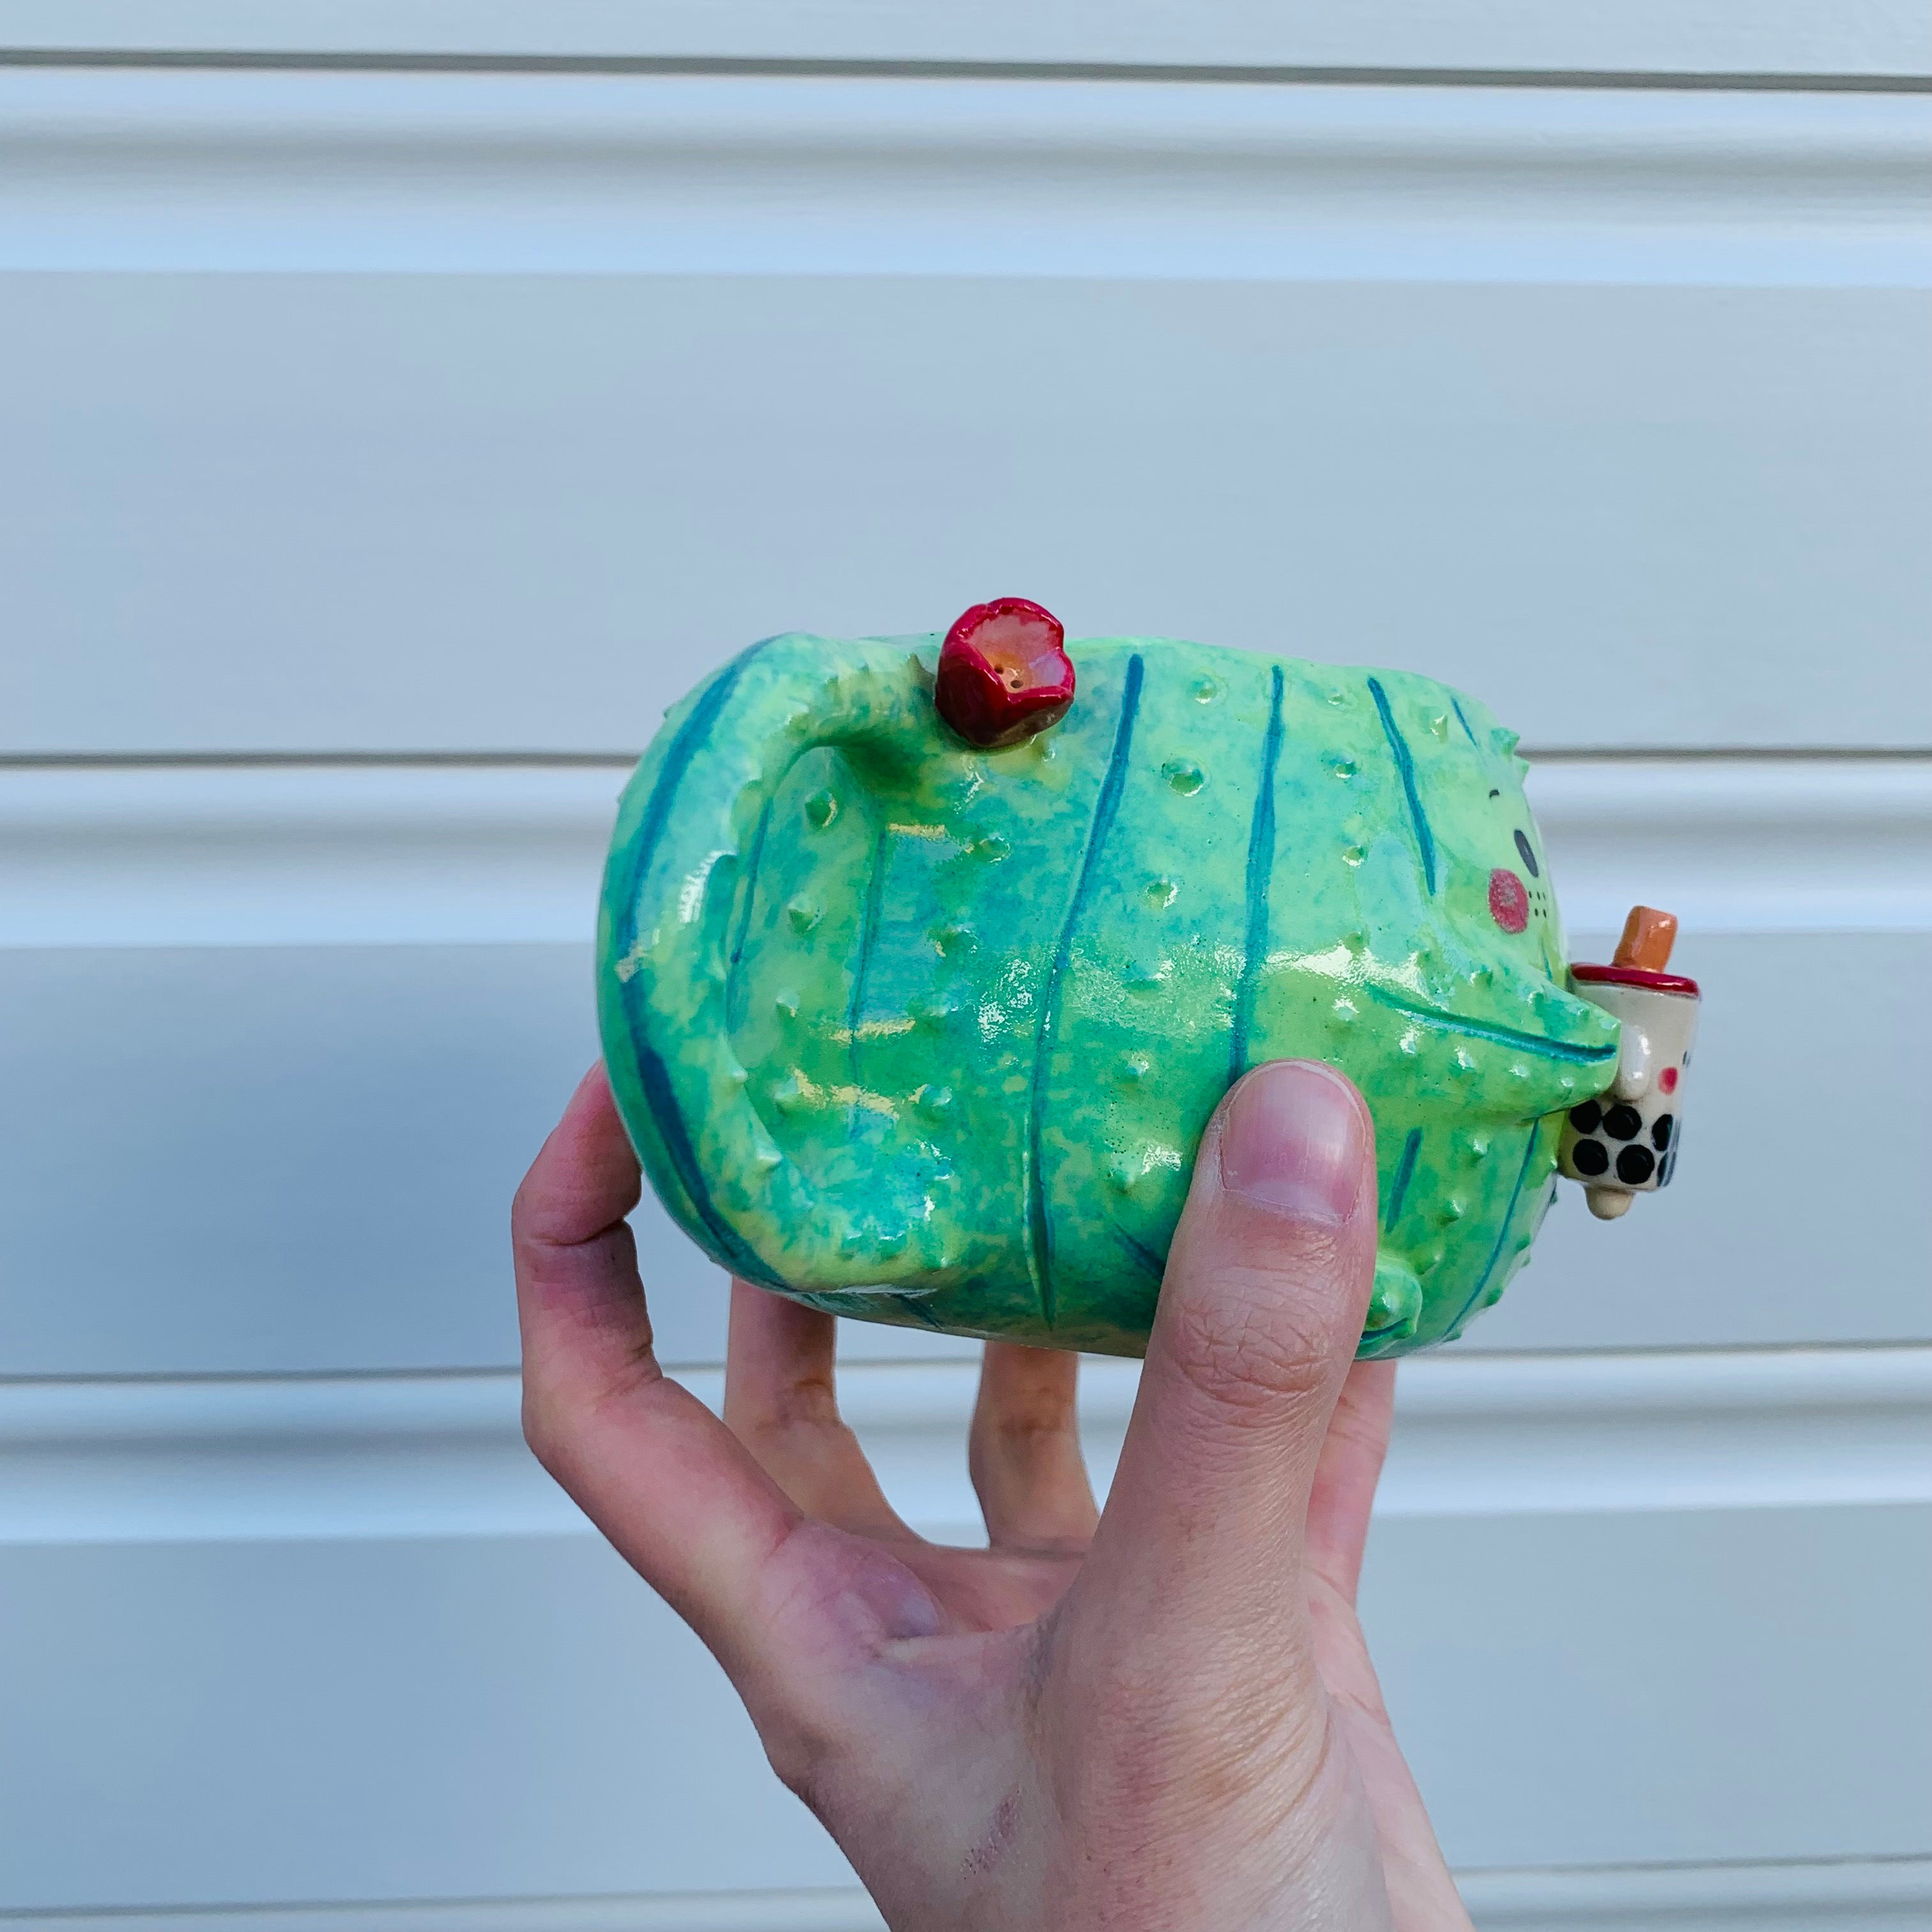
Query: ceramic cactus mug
point(926, 1031)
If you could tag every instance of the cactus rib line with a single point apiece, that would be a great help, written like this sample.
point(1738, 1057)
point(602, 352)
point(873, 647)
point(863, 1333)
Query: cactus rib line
point(1540, 1043)
point(1502, 1233)
point(684, 748)
point(1260, 871)
point(1141, 1252)
point(1404, 1172)
point(1405, 763)
point(1456, 705)
point(1105, 809)
point(749, 887)
point(738, 1255)
point(869, 939)
point(652, 1074)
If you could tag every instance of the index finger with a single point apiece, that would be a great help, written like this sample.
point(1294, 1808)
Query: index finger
point(664, 1479)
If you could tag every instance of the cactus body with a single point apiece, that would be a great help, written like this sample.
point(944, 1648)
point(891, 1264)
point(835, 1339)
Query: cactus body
point(928, 1035)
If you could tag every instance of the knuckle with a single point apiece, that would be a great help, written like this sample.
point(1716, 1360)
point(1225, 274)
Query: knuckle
point(801, 1759)
point(1026, 1421)
point(1256, 1337)
point(544, 1430)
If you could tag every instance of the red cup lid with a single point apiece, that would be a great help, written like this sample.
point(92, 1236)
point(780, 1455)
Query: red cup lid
point(1635, 975)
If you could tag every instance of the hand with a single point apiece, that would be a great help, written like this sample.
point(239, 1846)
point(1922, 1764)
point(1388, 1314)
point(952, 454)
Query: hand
point(1156, 1718)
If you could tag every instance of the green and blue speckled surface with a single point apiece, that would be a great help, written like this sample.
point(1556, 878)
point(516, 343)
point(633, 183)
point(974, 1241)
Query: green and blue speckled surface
point(928, 1035)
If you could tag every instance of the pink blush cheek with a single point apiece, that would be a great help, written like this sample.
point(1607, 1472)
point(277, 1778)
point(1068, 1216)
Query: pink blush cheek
point(1509, 900)
point(1667, 1080)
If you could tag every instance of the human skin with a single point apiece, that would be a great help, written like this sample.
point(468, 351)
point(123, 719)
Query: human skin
point(1154, 1718)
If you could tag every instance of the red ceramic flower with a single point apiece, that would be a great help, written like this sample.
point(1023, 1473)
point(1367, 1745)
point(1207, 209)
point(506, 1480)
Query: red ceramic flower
point(1004, 673)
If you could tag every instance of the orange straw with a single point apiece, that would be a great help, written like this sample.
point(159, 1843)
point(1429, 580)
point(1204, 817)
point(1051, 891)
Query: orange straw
point(1648, 935)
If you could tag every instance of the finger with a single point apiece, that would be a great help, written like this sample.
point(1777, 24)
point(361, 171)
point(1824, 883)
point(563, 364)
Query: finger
point(1267, 1285)
point(1345, 1476)
point(1023, 1450)
point(781, 1401)
point(678, 1496)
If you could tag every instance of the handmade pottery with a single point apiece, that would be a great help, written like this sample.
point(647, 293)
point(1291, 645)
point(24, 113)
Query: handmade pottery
point(926, 1032)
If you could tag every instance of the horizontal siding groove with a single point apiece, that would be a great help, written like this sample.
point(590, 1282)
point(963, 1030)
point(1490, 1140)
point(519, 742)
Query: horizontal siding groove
point(326, 761)
point(1768, 1896)
point(1798, 1896)
point(877, 173)
point(416, 852)
point(622, 761)
point(323, 61)
point(202, 1459)
point(1864, 38)
point(813, 1910)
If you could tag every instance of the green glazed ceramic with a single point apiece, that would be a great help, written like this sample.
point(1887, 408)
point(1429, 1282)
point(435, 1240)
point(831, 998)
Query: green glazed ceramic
point(926, 1034)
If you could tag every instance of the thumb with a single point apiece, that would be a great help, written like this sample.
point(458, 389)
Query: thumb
point(1266, 1285)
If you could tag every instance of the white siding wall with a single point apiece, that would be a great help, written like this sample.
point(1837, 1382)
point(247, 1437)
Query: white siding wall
point(399, 405)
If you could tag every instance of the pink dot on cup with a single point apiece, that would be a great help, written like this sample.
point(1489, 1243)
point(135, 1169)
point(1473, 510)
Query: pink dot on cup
point(1667, 1080)
point(1509, 900)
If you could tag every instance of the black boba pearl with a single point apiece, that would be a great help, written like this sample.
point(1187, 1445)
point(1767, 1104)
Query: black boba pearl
point(1587, 1118)
point(1590, 1157)
point(1634, 1166)
point(1622, 1122)
point(1660, 1131)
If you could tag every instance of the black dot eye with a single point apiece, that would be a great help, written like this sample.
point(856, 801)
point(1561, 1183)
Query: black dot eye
point(1494, 793)
point(1528, 856)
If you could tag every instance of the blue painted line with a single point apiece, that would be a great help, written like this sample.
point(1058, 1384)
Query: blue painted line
point(1502, 1233)
point(868, 938)
point(1538, 1043)
point(731, 1247)
point(1405, 763)
point(684, 747)
point(653, 1076)
point(1456, 706)
point(733, 986)
point(1404, 1172)
point(1106, 810)
point(1260, 871)
point(1141, 1252)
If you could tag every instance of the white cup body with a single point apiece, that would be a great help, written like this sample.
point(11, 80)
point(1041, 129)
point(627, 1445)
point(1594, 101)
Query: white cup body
point(1627, 1139)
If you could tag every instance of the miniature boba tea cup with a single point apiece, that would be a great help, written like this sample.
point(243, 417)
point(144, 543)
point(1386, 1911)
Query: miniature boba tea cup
point(1624, 1142)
